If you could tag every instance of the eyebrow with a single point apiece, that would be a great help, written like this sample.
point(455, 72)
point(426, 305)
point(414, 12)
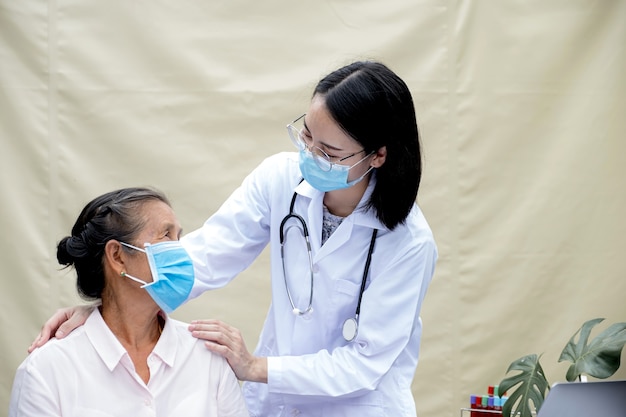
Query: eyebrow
point(170, 226)
point(324, 144)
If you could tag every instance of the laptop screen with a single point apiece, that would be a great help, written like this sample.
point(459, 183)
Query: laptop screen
point(585, 399)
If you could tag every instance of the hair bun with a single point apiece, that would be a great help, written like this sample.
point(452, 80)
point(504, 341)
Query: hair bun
point(66, 250)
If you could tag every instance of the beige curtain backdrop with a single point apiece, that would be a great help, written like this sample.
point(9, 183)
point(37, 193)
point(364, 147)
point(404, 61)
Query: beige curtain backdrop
point(522, 110)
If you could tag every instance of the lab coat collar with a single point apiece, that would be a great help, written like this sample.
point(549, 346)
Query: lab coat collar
point(360, 216)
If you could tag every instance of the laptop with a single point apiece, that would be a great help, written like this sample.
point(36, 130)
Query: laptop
point(585, 399)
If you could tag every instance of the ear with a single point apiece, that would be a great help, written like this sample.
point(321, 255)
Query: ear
point(379, 157)
point(114, 256)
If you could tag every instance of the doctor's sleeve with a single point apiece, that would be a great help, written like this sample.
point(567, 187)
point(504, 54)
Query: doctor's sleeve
point(232, 238)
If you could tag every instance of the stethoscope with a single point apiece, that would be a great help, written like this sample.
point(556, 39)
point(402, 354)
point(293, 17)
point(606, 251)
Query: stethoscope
point(350, 325)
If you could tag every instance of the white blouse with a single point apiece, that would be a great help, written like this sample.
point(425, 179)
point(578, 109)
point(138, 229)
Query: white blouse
point(89, 373)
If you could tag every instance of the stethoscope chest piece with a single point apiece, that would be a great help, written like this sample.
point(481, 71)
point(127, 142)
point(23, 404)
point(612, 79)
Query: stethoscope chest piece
point(350, 329)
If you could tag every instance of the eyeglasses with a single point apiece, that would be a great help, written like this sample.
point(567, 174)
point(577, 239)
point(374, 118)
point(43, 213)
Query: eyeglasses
point(321, 158)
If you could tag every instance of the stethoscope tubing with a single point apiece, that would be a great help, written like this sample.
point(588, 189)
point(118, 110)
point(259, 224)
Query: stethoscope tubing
point(305, 232)
point(350, 326)
point(366, 270)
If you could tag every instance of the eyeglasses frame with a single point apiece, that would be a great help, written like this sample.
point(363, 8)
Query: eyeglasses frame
point(301, 145)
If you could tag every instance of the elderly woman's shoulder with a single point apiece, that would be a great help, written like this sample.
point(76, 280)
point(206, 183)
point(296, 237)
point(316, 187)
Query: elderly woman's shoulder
point(181, 329)
point(58, 352)
point(193, 349)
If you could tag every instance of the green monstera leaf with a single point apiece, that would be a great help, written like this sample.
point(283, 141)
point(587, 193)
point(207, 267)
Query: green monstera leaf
point(532, 386)
point(601, 357)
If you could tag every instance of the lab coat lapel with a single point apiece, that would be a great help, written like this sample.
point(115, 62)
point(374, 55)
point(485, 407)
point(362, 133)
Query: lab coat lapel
point(314, 213)
point(314, 216)
point(337, 239)
point(360, 217)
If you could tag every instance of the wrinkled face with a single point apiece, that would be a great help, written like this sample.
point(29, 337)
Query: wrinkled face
point(161, 225)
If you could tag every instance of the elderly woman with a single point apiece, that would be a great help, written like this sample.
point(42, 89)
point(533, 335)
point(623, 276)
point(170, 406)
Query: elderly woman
point(129, 359)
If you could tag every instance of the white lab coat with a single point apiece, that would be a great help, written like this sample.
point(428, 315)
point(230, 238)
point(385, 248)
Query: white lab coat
point(312, 370)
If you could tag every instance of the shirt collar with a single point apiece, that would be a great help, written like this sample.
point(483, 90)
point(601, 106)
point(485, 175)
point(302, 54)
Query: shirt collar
point(111, 350)
point(167, 344)
point(360, 216)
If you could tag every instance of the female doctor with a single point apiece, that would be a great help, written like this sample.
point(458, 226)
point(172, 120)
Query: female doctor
point(351, 256)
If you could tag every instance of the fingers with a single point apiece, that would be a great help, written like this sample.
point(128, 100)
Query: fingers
point(62, 322)
point(224, 340)
point(37, 342)
point(218, 349)
point(217, 332)
point(48, 329)
point(245, 366)
point(227, 341)
point(76, 318)
point(213, 323)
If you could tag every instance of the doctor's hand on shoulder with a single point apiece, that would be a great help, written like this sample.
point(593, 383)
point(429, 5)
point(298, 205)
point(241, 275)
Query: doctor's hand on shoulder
point(227, 341)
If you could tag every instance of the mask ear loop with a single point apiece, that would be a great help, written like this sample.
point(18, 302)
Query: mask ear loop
point(132, 247)
point(144, 283)
point(357, 180)
point(124, 274)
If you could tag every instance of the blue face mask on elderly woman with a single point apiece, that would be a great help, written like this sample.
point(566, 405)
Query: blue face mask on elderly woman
point(172, 273)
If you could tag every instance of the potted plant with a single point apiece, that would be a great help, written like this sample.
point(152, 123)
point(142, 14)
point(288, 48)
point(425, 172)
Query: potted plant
point(598, 359)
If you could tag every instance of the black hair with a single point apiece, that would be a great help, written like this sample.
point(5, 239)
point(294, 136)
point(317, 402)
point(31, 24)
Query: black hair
point(374, 106)
point(114, 215)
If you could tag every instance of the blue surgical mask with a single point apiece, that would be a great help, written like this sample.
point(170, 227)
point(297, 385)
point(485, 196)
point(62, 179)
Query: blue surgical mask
point(334, 179)
point(172, 273)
